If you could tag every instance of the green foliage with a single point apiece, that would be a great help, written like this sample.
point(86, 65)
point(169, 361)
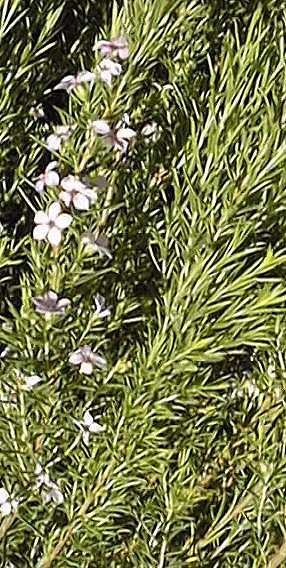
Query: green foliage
point(190, 469)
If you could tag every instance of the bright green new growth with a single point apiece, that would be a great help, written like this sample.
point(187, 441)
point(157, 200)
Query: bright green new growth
point(190, 469)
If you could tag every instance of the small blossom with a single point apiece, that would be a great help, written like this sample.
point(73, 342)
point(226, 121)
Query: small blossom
point(87, 359)
point(108, 69)
point(50, 225)
point(88, 426)
point(117, 137)
point(60, 135)
point(96, 244)
point(50, 304)
point(5, 352)
point(28, 382)
point(117, 47)
point(49, 489)
point(70, 82)
point(31, 382)
point(101, 309)
point(77, 193)
point(49, 177)
point(7, 504)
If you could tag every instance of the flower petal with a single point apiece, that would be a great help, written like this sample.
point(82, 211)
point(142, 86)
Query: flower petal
point(81, 202)
point(95, 428)
point(40, 185)
point(87, 418)
point(6, 508)
point(54, 236)
point(63, 221)
point(86, 368)
point(125, 133)
point(85, 437)
point(4, 495)
point(68, 183)
point(64, 303)
point(65, 197)
point(31, 381)
point(76, 357)
point(106, 76)
point(41, 218)
point(66, 83)
point(54, 210)
point(52, 178)
point(100, 362)
point(123, 53)
point(52, 165)
point(85, 76)
point(40, 232)
point(53, 143)
point(101, 127)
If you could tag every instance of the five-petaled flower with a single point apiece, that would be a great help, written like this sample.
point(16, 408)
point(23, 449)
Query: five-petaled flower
point(87, 359)
point(108, 69)
point(70, 82)
point(61, 134)
point(50, 304)
point(117, 47)
point(95, 243)
point(49, 177)
point(117, 137)
point(7, 504)
point(49, 489)
point(88, 426)
point(77, 193)
point(50, 225)
point(101, 309)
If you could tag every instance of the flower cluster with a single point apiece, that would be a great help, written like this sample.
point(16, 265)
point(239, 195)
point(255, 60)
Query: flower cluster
point(74, 192)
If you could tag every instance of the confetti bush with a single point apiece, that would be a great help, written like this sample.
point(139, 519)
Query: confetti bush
point(143, 254)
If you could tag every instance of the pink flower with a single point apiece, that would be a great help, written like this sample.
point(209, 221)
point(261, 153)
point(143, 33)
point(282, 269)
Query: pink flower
point(50, 225)
point(117, 137)
point(60, 135)
point(70, 82)
point(97, 244)
point(7, 504)
point(117, 47)
point(77, 193)
point(108, 69)
point(50, 304)
point(88, 426)
point(49, 177)
point(87, 359)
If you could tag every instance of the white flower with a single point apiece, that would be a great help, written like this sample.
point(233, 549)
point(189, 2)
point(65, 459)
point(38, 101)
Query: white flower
point(100, 307)
point(117, 137)
point(88, 426)
point(30, 382)
point(7, 504)
point(108, 69)
point(61, 134)
point(70, 82)
point(49, 177)
point(49, 489)
point(87, 359)
point(50, 225)
point(50, 304)
point(117, 47)
point(96, 244)
point(77, 193)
